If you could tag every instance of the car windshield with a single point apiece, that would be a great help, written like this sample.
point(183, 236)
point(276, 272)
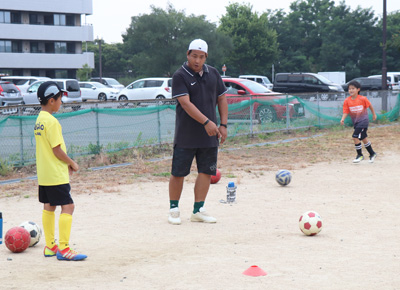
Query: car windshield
point(112, 82)
point(99, 85)
point(255, 87)
point(324, 79)
point(266, 81)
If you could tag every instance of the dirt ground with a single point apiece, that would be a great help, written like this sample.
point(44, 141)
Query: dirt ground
point(120, 222)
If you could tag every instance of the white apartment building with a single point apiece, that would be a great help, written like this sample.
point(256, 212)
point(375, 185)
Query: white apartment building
point(44, 37)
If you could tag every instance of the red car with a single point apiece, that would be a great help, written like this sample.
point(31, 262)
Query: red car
point(240, 90)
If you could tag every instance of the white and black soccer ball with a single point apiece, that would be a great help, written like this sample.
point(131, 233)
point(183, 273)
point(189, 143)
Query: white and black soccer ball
point(283, 177)
point(34, 230)
point(310, 223)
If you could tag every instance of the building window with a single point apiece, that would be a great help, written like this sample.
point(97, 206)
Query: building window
point(5, 45)
point(59, 19)
point(16, 46)
point(33, 19)
point(71, 47)
point(48, 19)
point(16, 17)
point(34, 47)
point(60, 47)
point(5, 17)
point(61, 74)
point(70, 20)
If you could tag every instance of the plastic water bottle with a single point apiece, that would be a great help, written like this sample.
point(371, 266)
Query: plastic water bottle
point(1, 228)
point(231, 192)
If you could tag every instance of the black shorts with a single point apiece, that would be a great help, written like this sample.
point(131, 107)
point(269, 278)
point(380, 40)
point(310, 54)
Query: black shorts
point(206, 159)
point(55, 194)
point(360, 133)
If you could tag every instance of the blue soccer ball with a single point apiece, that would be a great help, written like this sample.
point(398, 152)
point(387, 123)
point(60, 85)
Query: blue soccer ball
point(283, 177)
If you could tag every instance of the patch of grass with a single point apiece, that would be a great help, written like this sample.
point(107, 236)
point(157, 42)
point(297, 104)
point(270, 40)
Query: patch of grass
point(163, 174)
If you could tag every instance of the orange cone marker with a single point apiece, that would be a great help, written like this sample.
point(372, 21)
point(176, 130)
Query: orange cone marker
point(255, 271)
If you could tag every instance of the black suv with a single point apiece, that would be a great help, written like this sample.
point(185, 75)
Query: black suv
point(293, 83)
point(367, 84)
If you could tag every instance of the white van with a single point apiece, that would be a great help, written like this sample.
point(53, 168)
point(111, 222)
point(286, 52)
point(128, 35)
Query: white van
point(393, 79)
point(259, 79)
point(23, 82)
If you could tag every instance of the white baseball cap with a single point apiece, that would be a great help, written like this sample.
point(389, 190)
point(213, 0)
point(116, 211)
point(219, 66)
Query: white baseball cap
point(198, 44)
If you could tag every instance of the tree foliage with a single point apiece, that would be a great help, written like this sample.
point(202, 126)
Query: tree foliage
point(313, 36)
point(255, 45)
point(157, 42)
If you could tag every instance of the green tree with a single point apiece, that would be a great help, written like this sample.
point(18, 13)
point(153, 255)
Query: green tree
point(83, 74)
point(393, 41)
point(317, 36)
point(255, 45)
point(156, 43)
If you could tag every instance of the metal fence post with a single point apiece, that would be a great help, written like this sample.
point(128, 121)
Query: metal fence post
point(21, 136)
point(287, 113)
point(159, 123)
point(251, 115)
point(319, 114)
point(97, 127)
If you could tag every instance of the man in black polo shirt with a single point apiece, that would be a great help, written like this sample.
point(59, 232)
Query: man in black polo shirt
point(198, 89)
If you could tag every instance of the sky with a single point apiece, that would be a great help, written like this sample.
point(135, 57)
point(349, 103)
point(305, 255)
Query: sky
point(110, 19)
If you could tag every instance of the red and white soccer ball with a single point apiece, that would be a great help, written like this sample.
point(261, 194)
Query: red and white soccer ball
point(310, 223)
point(17, 239)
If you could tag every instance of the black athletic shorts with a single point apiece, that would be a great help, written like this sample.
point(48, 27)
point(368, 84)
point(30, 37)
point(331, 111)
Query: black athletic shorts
point(55, 194)
point(360, 133)
point(206, 159)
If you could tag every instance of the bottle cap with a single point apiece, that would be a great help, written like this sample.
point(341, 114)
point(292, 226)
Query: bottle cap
point(231, 184)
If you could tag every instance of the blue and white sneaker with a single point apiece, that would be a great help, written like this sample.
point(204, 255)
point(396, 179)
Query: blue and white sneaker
point(70, 255)
point(372, 158)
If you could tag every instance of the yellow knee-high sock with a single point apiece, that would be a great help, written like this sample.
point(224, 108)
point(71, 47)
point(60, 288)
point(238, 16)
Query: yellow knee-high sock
point(49, 221)
point(64, 225)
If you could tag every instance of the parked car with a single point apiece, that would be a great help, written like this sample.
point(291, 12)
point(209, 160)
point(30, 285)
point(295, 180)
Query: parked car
point(30, 95)
point(393, 80)
point(97, 91)
point(110, 82)
point(23, 82)
point(10, 94)
point(293, 83)
point(368, 84)
point(240, 90)
point(147, 89)
point(73, 91)
point(259, 79)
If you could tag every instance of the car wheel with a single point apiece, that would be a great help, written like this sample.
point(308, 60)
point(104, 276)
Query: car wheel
point(102, 97)
point(160, 98)
point(123, 98)
point(266, 114)
point(324, 97)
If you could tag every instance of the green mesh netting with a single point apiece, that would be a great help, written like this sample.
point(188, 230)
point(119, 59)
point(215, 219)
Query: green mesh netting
point(94, 130)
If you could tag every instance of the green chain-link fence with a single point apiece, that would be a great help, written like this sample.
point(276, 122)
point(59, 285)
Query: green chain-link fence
point(90, 128)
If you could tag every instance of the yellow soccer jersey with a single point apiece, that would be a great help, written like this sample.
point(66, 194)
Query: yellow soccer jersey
point(48, 134)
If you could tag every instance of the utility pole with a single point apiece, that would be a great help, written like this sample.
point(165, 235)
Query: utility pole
point(384, 68)
point(100, 64)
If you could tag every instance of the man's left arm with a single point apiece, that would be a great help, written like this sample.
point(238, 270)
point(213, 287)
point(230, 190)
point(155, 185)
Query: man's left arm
point(223, 113)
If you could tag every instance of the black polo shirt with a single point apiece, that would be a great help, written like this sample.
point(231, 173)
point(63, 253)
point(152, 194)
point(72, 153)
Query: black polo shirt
point(203, 92)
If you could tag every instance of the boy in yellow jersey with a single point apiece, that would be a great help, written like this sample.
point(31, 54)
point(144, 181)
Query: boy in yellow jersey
point(53, 169)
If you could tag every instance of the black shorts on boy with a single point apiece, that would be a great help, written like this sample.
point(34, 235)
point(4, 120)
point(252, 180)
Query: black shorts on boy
point(56, 194)
point(360, 133)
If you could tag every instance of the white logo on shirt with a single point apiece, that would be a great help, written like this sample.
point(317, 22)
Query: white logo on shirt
point(356, 109)
point(192, 83)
